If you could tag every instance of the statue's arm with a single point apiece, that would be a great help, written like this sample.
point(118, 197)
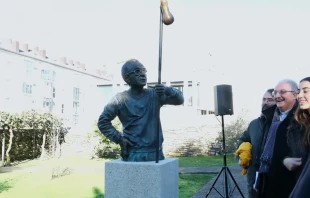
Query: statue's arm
point(105, 122)
point(173, 96)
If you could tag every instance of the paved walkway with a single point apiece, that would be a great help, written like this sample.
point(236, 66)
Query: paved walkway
point(219, 185)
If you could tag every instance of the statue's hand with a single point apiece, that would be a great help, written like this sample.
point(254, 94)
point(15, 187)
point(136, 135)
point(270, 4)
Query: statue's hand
point(125, 143)
point(163, 89)
point(160, 89)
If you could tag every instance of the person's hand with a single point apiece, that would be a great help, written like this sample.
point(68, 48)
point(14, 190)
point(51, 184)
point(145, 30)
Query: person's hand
point(243, 166)
point(124, 144)
point(160, 89)
point(292, 163)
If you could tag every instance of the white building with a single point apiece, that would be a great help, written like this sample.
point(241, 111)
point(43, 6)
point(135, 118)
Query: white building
point(31, 80)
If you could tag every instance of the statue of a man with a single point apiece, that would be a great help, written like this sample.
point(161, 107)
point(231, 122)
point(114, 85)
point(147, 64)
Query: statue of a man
point(137, 109)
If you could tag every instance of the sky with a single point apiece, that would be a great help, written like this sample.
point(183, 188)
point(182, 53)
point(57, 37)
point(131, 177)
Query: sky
point(249, 44)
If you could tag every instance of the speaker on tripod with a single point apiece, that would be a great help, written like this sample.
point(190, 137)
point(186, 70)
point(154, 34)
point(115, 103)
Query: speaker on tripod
point(223, 101)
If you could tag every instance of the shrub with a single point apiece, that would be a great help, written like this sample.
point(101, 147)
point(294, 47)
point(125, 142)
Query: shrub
point(104, 148)
point(233, 131)
point(191, 147)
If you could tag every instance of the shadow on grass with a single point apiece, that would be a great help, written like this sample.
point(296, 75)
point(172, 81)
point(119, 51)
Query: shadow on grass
point(6, 169)
point(97, 193)
point(4, 186)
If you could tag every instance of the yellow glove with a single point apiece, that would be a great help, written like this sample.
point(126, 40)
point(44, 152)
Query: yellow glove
point(244, 153)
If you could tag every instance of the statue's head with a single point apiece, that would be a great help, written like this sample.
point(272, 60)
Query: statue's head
point(134, 73)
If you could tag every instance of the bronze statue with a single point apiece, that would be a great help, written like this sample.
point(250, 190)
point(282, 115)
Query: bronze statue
point(137, 109)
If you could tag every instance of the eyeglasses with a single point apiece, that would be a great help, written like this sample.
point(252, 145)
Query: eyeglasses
point(137, 72)
point(281, 92)
point(268, 99)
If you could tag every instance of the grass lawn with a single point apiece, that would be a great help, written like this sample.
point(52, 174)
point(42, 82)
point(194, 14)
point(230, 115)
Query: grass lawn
point(39, 185)
point(87, 181)
point(206, 161)
point(189, 184)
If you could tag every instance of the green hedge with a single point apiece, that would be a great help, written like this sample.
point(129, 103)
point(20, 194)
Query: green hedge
point(26, 132)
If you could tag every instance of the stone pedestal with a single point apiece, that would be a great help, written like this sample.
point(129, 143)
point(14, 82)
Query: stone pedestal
point(142, 179)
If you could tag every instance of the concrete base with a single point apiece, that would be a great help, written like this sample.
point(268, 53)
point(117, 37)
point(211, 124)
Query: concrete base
point(142, 179)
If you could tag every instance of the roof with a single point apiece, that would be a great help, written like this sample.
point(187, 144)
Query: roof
point(13, 47)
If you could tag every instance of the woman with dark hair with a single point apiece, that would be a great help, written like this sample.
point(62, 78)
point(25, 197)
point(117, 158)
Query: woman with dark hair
point(302, 116)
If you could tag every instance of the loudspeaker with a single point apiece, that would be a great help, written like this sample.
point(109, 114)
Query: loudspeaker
point(223, 100)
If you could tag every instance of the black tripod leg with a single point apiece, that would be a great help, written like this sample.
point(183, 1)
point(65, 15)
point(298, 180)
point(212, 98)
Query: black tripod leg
point(218, 176)
point(232, 177)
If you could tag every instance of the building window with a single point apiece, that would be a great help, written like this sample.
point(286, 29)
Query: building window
point(75, 107)
point(75, 119)
point(48, 103)
point(48, 75)
point(211, 112)
point(62, 108)
point(76, 104)
point(27, 89)
point(28, 67)
point(190, 94)
point(190, 101)
point(203, 112)
point(179, 87)
point(75, 112)
point(76, 94)
point(54, 92)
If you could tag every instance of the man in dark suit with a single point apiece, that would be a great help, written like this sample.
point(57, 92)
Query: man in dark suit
point(255, 135)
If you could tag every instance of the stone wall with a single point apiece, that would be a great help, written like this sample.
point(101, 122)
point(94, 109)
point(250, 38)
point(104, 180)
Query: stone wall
point(189, 141)
point(187, 133)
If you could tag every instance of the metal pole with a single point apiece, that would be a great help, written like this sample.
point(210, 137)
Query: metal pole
point(159, 81)
point(225, 162)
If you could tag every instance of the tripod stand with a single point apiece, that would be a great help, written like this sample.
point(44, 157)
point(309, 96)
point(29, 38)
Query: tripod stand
point(226, 171)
